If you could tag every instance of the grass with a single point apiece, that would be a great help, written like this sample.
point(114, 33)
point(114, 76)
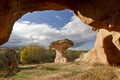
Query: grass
point(67, 71)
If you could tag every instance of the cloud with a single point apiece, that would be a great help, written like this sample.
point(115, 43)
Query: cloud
point(25, 32)
point(58, 18)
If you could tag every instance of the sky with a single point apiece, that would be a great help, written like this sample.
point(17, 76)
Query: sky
point(44, 27)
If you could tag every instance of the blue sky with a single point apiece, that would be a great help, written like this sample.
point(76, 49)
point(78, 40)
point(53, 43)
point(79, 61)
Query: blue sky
point(56, 19)
point(43, 27)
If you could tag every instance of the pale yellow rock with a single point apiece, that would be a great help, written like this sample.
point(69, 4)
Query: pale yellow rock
point(106, 49)
point(60, 46)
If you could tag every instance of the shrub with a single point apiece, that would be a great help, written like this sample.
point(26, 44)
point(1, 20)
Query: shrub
point(73, 54)
point(50, 55)
point(30, 54)
point(9, 61)
point(34, 53)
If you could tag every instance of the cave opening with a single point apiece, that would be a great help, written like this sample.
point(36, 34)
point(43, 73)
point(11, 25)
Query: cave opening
point(43, 27)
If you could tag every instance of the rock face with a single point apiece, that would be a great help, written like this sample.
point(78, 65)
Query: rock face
point(100, 14)
point(60, 46)
point(106, 49)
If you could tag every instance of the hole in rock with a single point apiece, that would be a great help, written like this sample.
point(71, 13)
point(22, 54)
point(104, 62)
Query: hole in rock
point(43, 27)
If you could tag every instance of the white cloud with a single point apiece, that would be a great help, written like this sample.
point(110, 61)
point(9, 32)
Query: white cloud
point(25, 32)
point(58, 18)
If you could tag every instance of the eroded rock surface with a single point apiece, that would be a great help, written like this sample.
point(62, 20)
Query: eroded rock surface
point(106, 49)
point(60, 46)
point(100, 14)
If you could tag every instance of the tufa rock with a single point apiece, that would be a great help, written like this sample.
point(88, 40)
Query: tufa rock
point(106, 49)
point(60, 46)
point(100, 14)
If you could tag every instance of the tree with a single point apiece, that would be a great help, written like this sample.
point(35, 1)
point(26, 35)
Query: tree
point(33, 53)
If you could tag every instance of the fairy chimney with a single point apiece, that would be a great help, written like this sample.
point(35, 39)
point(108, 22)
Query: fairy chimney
point(60, 46)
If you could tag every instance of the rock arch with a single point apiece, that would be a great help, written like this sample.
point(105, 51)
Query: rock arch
point(100, 14)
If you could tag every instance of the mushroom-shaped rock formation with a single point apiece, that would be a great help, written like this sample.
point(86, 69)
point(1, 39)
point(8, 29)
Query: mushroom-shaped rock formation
point(60, 46)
